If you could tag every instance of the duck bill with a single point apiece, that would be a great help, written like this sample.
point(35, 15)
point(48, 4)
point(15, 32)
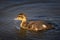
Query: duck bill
point(15, 18)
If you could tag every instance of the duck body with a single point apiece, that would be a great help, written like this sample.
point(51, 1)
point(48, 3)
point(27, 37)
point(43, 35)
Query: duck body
point(33, 25)
point(36, 25)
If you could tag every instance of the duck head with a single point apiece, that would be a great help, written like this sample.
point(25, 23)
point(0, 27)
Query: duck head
point(21, 17)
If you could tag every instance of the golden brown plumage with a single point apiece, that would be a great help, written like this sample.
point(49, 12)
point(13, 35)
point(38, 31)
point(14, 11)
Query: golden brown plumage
point(32, 25)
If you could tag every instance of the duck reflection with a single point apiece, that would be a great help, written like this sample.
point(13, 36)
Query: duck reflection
point(21, 33)
point(24, 34)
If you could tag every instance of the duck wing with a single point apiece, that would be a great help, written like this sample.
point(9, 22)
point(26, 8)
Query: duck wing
point(40, 25)
point(36, 24)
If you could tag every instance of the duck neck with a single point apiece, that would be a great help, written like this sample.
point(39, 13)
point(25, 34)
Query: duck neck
point(23, 23)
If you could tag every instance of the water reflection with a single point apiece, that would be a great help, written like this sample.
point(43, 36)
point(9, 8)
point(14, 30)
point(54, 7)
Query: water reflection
point(21, 33)
point(28, 35)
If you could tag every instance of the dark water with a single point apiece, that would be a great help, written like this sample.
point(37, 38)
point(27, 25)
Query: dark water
point(35, 10)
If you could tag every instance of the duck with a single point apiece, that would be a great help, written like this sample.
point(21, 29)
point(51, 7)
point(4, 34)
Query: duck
point(32, 25)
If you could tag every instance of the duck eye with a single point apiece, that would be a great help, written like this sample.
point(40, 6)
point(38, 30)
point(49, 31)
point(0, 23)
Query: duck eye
point(20, 16)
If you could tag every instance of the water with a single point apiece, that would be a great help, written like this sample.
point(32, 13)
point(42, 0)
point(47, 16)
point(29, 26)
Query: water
point(10, 29)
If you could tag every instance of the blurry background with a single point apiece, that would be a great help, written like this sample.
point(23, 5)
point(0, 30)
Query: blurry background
point(48, 10)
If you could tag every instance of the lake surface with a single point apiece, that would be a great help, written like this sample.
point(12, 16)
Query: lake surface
point(35, 10)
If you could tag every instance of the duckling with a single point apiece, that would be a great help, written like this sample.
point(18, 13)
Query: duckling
point(32, 25)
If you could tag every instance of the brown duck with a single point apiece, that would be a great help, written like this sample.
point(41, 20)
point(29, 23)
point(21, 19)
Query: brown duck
point(32, 25)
